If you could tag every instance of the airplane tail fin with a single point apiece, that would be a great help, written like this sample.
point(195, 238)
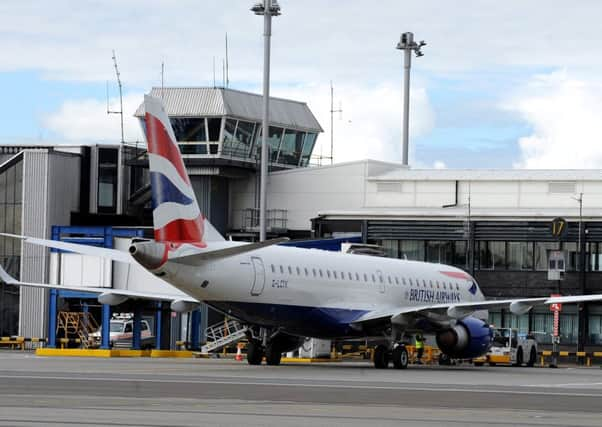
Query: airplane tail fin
point(176, 213)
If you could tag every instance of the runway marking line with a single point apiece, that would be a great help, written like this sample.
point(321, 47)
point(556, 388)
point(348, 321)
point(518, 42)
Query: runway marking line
point(289, 384)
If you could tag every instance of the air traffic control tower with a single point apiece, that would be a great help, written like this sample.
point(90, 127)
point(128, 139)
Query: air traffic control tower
point(219, 133)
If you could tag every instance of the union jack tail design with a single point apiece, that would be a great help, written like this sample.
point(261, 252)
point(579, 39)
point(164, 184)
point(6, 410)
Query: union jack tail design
point(176, 213)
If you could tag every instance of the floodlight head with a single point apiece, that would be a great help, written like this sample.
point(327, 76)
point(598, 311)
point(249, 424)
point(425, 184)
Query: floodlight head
point(422, 43)
point(258, 8)
point(275, 8)
point(419, 54)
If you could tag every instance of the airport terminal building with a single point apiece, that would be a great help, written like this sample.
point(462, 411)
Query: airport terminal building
point(495, 224)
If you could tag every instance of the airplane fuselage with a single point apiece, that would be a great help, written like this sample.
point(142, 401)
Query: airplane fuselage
point(317, 293)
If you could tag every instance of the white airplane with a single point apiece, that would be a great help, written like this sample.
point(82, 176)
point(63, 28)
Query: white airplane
point(284, 293)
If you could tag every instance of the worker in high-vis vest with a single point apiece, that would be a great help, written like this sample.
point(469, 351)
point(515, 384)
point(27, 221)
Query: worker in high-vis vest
point(419, 348)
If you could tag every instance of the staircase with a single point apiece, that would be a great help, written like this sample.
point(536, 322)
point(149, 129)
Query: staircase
point(77, 323)
point(222, 334)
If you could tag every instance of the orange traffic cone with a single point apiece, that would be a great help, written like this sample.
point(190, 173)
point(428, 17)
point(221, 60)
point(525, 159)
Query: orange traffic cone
point(239, 352)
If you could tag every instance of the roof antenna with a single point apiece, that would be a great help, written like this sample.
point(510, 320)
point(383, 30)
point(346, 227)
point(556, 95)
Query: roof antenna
point(162, 79)
point(227, 76)
point(332, 111)
point(120, 112)
point(223, 73)
point(214, 72)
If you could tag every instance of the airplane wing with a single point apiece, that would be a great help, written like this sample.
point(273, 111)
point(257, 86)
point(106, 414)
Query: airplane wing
point(112, 254)
point(103, 293)
point(460, 310)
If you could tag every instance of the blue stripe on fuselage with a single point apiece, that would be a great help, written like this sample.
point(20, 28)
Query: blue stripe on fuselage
point(318, 322)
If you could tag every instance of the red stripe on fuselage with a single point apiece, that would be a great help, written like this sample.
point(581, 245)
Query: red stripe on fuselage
point(160, 143)
point(456, 274)
point(182, 231)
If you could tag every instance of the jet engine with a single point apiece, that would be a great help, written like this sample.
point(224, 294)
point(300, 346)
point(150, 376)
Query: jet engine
point(469, 337)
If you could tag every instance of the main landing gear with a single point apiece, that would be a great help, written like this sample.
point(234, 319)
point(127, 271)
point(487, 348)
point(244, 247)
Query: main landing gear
point(256, 352)
point(383, 355)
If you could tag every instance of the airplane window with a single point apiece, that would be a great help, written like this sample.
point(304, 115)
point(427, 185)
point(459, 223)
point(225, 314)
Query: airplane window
point(306, 272)
point(410, 280)
point(389, 279)
point(437, 285)
point(444, 285)
point(350, 276)
point(403, 280)
point(298, 271)
point(334, 274)
point(431, 285)
point(457, 287)
point(342, 275)
point(281, 269)
point(357, 277)
point(373, 278)
point(396, 281)
point(380, 279)
point(321, 275)
point(313, 270)
point(290, 270)
point(365, 277)
point(328, 273)
point(273, 268)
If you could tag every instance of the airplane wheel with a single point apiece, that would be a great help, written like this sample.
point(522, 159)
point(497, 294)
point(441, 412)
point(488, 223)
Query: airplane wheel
point(532, 357)
point(400, 357)
point(254, 353)
point(519, 357)
point(381, 357)
point(272, 355)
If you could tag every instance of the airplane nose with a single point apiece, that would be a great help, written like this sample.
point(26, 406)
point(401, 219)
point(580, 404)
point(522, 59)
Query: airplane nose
point(151, 255)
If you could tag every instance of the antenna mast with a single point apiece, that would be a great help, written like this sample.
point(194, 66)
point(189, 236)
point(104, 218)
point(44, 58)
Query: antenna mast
point(227, 76)
point(332, 111)
point(120, 112)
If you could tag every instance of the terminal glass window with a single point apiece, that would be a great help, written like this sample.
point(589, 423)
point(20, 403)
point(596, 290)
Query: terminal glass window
point(595, 324)
point(541, 254)
point(230, 145)
point(107, 180)
point(492, 255)
point(519, 255)
point(439, 252)
point(461, 254)
point(290, 149)
point(11, 184)
point(189, 129)
point(412, 250)
point(308, 147)
point(391, 248)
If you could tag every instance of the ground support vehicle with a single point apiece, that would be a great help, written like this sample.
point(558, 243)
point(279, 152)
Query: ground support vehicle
point(510, 348)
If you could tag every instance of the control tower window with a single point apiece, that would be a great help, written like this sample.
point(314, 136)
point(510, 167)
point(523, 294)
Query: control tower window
point(230, 145)
point(274, 138)
point(290, 150)
point(308, 147)
point(214, 126)
point(244, 134)
point(189, 129)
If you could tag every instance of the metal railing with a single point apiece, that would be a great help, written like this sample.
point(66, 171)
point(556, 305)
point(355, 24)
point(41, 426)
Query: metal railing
point(222, 334)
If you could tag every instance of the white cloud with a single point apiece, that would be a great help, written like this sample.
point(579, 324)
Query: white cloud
point(87, 120)
point(370, 124)
point(439, 165)
point(564, 113)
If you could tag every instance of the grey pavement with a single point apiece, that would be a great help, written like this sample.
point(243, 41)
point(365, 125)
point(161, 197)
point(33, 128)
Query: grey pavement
point(187, 392)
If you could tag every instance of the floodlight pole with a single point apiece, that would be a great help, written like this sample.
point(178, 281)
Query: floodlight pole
point(407, 44)
point(268, 9)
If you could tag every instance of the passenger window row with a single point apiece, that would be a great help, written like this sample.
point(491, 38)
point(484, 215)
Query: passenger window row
point(333, 274)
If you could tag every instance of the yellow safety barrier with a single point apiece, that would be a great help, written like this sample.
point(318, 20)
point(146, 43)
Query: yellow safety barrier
point(13, 342)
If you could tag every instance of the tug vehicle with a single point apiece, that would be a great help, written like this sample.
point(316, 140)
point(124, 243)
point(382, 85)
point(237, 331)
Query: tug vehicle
point(510, 348)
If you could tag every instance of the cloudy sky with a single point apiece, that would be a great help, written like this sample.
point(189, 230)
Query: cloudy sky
point(512, 84)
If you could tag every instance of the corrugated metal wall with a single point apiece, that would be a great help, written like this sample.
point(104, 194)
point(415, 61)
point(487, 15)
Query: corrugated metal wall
point(50, 193)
